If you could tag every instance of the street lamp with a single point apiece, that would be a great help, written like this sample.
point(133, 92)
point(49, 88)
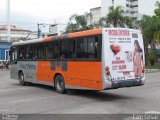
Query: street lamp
point(8, 19)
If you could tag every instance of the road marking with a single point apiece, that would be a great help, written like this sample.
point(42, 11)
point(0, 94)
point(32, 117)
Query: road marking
point(7, 110)
point(26, 100)
point(152, 112)
point(5, 90)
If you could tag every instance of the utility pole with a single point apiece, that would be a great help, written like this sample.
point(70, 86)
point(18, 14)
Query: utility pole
point(8, 20)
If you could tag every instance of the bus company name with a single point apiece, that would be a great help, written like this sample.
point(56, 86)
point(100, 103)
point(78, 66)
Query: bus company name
point(118, 32)
point(28, 66)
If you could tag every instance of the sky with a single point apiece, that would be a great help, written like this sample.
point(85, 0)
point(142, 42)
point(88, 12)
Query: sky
point(27, 13)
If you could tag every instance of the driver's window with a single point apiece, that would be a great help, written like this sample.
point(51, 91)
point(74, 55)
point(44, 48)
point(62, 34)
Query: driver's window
point(14, 55)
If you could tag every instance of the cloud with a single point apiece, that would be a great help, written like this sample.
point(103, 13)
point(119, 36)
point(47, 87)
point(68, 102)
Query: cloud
point(28, 13)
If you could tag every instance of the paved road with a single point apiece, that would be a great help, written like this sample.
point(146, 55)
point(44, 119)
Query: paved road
point(43, 99)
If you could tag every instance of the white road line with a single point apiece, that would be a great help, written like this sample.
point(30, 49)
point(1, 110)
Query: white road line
point(7, 110)
point(152, 112)
point(26, 100)
point(5, 90)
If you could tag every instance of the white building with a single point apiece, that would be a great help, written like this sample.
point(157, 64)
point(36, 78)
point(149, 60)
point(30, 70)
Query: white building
point(133, 8)
point(16, 34)
point(96, 14)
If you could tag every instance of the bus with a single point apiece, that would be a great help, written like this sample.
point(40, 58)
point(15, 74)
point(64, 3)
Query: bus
point(98, 59)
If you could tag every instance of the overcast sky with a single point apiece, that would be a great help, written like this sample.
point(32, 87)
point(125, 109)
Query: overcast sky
point(30, 12)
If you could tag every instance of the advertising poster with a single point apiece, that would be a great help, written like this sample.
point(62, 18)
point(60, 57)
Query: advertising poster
point(124, 54)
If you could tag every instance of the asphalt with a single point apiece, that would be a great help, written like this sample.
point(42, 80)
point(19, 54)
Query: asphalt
point(39, 99)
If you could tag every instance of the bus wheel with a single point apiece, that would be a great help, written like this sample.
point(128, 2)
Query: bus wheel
point(21, 79)
point(59, 84)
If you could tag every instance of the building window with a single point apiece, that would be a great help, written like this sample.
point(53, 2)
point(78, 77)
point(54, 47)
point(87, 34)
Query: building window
point(134, 6)
point(127, 11)
point(127, 5)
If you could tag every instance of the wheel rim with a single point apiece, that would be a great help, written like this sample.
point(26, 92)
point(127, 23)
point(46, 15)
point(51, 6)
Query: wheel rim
point(60, 84)
point(21, 78)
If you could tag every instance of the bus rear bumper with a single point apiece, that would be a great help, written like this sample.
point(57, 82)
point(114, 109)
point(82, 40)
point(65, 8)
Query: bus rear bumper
point(125, 83)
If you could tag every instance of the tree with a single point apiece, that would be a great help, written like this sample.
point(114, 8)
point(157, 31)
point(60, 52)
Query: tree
point(79, 23)
point(150, 26)
point(115, 16)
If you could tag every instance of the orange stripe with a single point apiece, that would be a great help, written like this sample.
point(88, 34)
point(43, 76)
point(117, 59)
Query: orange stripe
point(85, 33)
point(47, 39)
point(76, 34)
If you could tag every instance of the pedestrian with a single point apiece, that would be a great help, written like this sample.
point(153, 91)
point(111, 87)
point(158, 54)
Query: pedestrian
point(1, 65)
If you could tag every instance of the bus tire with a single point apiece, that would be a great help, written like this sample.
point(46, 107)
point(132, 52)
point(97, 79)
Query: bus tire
point(21, 79)
point(59, 84)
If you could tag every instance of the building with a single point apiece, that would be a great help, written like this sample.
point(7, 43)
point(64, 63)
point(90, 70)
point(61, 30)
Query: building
point(16, 34)
point(4, 51)
point(57, 29)
point(96, 14)
point(133, 8)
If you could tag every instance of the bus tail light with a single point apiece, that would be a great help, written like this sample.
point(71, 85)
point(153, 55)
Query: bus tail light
point(143, 70)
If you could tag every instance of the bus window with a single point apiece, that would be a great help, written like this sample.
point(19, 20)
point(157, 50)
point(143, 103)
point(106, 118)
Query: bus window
point(64, 47)
point(21, 55)
point(99, 46)
point(27, 48)
point(56, 49)
point(41, 52)
point(72, 54)
point(81, 48)
point(49, 50)
point(92, 48)
point(14, 54)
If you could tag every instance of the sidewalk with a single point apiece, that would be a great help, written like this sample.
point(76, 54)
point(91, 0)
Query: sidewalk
point(152, 70)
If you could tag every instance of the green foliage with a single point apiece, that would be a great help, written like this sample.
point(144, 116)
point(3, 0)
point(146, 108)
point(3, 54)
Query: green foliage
point(157, 11)
point(79, 23)
point(152, 57)
point(150, 26)
point(117, 18)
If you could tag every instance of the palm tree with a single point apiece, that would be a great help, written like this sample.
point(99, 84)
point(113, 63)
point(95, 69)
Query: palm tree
point(79, 23)
point(116, 16)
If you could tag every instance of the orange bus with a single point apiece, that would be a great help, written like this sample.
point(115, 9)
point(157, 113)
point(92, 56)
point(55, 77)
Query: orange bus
point(98, 59)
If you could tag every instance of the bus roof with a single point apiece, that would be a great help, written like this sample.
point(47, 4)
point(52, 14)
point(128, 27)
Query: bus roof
point(62, 36)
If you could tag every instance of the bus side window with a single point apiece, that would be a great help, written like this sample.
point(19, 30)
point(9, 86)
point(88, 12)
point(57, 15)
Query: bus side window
point(81, 48)
point(27, 49)
point(49, 50)
point(99, 46)
point(64, 49)
point(72, 54)
point(92, 48)
point(14, 54)
point(41, 52)
point(21, 52)
point(55, 49)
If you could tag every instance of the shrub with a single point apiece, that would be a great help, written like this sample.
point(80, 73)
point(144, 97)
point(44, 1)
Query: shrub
point(152, 57)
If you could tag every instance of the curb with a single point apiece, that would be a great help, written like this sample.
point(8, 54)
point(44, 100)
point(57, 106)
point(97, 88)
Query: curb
point(152, 70)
